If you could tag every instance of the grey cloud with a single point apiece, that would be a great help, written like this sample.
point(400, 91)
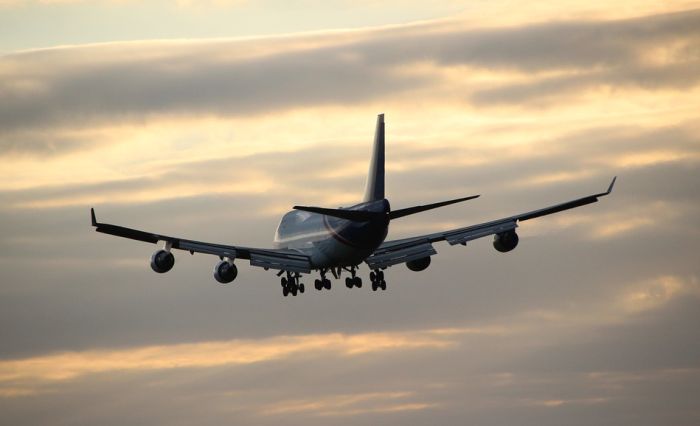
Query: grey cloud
point(64, 287)
point(115, 82)
point(482, 379)
point(186, 84)
point(662, 339)
point(676, 77)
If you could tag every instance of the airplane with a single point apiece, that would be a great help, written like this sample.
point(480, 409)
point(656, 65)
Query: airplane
point(340, 240)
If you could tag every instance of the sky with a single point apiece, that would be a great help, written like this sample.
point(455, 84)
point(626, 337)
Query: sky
point(209, 120)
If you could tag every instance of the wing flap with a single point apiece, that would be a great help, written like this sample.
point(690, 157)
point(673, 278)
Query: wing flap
point(399, 254)
point(208, 248)
point(283, 261)
point(468, 234)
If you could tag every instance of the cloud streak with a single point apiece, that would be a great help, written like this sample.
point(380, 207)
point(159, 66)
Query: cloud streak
point(22, 377)
point(136, 81)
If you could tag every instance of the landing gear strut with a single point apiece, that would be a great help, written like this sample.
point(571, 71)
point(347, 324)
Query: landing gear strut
point(323, 282)
point(291, 285)
point(353, 281)
point(377, 278)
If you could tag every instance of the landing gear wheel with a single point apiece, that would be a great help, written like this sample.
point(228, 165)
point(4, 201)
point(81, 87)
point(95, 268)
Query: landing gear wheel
point(348, 282)
point(374, 286)
point(382, 285)
point(372, 276)
point(285, 291)
point(283, 281)
point(327, 284)
point(294, 290)
point(358, 282)
point(318, 284)
point(301, 288)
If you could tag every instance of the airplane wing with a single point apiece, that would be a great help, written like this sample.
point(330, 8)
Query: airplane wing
point(286, 260)
point(408, 249)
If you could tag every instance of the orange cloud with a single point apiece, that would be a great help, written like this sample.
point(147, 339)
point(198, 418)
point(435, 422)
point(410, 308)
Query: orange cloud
point(25, 376)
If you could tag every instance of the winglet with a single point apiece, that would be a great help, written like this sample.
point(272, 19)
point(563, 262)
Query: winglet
point(92, 216)
point(610, 188)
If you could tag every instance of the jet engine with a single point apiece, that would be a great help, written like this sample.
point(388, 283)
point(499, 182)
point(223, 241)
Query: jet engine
point(162, 261)
point(225, 272)
point(418, 264)
point(505, 241)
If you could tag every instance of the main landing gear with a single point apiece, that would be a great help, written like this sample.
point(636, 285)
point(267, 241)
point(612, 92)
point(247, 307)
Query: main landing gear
point(353, 281)
point(377, 278)
point(323, 282)
point(291, 284)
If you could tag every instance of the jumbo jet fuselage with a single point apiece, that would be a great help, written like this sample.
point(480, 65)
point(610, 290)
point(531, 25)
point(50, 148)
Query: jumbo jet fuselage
point(331, 241)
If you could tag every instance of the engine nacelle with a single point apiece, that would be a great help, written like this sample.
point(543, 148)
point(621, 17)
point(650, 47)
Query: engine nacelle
point(418, 264)
point(505, 241)
point(162, 261)
point(225, 272)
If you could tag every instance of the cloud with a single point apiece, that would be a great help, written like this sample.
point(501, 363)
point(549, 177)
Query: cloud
point(141, 80)
point(603, 153)
point(591, 320)
point(675, 76)
point(27, 376)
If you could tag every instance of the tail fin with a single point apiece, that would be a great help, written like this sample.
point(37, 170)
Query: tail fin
point(374, 190)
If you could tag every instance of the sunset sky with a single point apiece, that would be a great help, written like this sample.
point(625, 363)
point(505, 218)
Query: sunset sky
point(210, 119)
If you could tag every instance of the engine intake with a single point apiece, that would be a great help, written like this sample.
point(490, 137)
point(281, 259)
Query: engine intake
point(418, 264)
point(162, 261)
point(505, 241)
point(225, 272)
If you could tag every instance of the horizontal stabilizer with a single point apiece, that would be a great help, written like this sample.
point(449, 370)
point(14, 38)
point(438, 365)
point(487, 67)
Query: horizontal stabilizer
point(364, 216)
point(395, 214)
point(354, 215)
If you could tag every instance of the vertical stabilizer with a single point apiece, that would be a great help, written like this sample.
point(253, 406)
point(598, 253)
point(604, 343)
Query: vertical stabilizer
point(374, 190)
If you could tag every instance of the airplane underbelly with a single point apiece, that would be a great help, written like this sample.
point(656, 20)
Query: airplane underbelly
point(332, 253)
